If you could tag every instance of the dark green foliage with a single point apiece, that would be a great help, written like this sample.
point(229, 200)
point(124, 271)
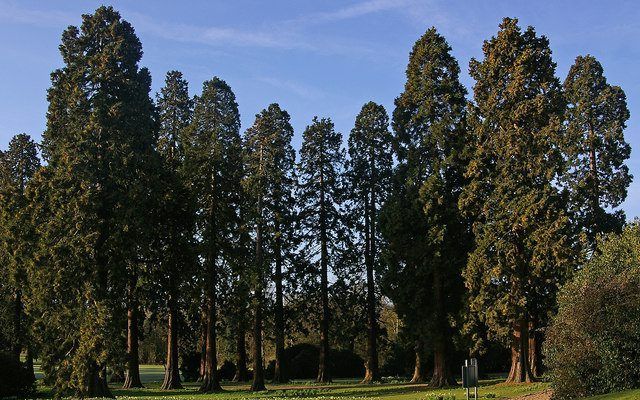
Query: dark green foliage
point(523, 240)
point(18, 164)
point(17, 380)
point(302, 362)
point(270, 184)
point(429, 142)
point(321, 226)
point(90, 203)
point(594, 341)
point(369, 174)
point(595, 147)
point(213, 170)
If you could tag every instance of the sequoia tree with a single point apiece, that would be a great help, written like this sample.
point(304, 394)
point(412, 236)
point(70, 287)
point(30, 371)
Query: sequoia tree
point(89, 200)
point(18, 164)
point(319, 196)
point(523, 249)
point(214, 169)
point(175, 224)
point(598, 177)
point(369, 174)
point(428, 124)
point(269, 182)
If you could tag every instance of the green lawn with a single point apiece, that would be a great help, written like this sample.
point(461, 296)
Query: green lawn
point(342, 389)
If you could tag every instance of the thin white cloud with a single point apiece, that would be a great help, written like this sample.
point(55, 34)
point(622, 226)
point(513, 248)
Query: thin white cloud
point(355, 10)
point(300, 89)
point(10, 12)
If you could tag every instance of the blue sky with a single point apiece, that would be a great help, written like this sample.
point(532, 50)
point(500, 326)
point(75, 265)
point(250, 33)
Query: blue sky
point(323, 58)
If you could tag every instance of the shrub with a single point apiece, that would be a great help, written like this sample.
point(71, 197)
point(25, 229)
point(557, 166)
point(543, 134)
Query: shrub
point(16, 380)
point(227, 370)
point(190, 366)
point(593, 344)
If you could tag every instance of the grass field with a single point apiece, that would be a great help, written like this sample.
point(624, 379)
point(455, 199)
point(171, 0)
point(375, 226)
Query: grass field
point(343, 389)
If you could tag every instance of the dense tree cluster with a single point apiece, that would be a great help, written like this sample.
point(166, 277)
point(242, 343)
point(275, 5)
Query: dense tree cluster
point(451, 227)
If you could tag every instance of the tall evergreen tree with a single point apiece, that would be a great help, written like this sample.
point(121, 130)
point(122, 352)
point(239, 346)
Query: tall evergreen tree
point(428, 124)
point(18, 164)
point(523, 239)
point(369, 174)
point(598, 177)
point(319, 196)
point(176, 212)
point(270, 182)
point(214, 169)
point(91, 199)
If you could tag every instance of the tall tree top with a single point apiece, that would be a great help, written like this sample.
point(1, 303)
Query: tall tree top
point(174, 109)
point(429, 111)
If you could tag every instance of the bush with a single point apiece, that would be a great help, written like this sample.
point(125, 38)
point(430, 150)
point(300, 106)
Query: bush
point(302, 363)
point(16, 380)
point(227, 370)
point(190, 366)
point(593, 344)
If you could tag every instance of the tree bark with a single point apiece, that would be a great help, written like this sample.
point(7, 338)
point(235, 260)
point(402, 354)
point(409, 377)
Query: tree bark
point(171, 372)
point(535, 351)
point(242, 374)
point(132, 375)
point(258, 368)
point(96, 385)
point(203, 343)
point(210, 379)
point(279, 375)
point(442, 376)
point(371, 372)
point(520, 368)
point(441, 372)
point(323, 367)
point(418, 371)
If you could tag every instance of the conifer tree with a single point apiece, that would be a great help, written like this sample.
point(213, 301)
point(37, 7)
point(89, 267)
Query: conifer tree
point(214, 170)
point(429, 143)
point(369, 174)
point(91, 201)
point(319, 198)
point(18, 164)
point(596, 149)
point(175, 227)
point(270, 182)
point(523, 249)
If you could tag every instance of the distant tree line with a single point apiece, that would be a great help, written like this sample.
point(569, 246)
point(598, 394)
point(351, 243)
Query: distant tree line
point(466, 215)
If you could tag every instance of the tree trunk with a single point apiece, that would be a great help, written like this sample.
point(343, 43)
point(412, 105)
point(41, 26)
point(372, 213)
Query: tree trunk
point(29, 363)
point(242, 374)
point(371, 373)
point(279, 374)
point(520, 369)
point(171, 372)
point(418, 371)
point(203, 343)
point(132, 375)
point(535, 351)
point(96, 385)
point(323, 367)
point(210, 380)
point(442, 376)
point(258, 369)
point(441, 372)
